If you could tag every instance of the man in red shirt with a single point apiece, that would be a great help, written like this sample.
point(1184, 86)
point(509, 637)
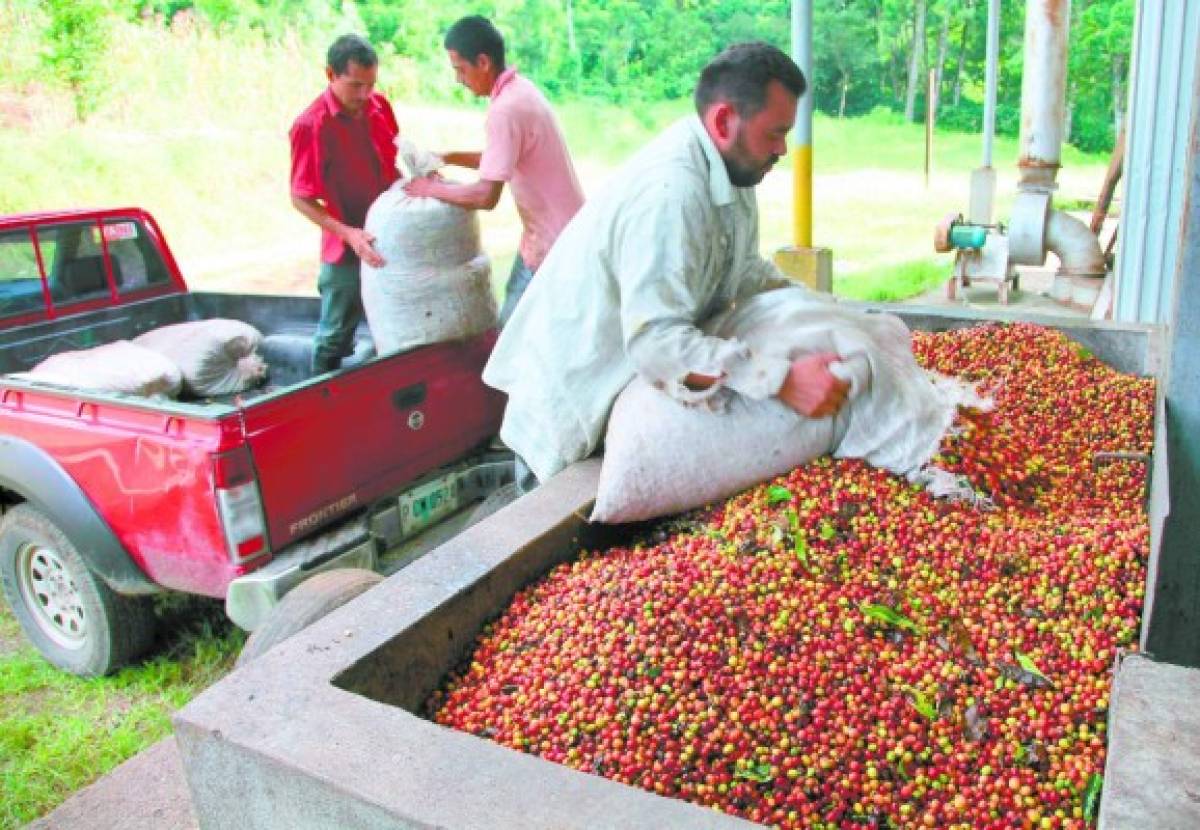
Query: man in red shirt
point(343, 157)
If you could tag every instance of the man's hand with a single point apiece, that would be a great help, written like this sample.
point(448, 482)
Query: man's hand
point(811, 389)
point(360, 242)
point(423, 186)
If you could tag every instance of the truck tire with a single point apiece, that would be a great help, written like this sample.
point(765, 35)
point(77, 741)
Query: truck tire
point(73, 618)
point(304, 605)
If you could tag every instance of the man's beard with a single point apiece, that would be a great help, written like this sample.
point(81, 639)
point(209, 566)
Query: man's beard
point(742, 169)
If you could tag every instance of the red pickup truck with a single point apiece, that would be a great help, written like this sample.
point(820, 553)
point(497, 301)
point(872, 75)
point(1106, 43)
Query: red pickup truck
point(109, 498)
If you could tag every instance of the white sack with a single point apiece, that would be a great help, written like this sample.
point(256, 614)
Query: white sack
point(435, 285)
point(216, 357)
point(121, 367)
point(663, 457)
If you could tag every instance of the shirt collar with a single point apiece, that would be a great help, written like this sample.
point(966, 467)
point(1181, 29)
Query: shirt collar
point(503, 79)
point(719, 185)
point(334, 106)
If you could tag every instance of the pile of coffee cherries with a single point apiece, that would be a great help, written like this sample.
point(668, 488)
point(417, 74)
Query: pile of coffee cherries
point(836, 648)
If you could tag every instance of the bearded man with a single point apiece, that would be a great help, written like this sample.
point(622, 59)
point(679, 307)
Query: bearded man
point(672, 241)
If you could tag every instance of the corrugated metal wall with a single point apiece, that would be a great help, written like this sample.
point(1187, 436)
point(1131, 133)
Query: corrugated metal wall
point(1162, 103)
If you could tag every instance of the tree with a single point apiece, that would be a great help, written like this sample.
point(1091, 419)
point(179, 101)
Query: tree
point(844, 55)
point(915, 58)
point(1099, 70)
point(76, 40)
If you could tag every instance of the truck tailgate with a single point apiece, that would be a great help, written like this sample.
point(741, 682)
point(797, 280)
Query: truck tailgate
point(333, 446)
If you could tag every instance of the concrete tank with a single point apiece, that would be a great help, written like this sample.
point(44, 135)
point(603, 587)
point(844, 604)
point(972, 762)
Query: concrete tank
point(322, 732)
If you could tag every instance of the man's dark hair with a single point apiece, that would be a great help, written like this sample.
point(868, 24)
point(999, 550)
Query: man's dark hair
point(740, 76)
point(473, 36)
point(350, 48)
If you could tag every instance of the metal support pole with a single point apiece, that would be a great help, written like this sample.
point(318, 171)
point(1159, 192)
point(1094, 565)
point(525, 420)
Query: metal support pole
point(989, 90)
point(983, 178)
point(930, 115)
point(802, 153)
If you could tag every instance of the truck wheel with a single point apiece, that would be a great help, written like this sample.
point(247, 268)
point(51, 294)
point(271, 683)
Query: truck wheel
point(73, 618)
point(304, 605)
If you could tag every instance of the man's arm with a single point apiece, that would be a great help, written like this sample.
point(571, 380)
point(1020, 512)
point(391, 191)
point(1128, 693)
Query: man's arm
point(659, 263)
point(357, 238)
point(462, 159)
point(482, 195)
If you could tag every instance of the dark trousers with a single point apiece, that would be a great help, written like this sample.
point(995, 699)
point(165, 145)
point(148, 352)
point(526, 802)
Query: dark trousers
point(518, 281)
point(341, 312)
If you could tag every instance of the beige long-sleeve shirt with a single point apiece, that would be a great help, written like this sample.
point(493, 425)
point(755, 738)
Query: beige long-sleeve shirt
point(669, 243)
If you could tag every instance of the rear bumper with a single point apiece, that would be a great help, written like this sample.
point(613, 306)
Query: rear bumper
point(252, 597)
point(357, 543)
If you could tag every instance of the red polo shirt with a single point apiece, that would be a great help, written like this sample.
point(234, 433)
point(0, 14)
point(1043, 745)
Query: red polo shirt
point(343, 161)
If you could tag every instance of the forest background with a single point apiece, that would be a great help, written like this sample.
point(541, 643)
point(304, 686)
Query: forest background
point(182, 106)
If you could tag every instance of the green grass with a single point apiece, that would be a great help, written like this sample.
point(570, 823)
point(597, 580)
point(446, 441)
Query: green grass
point(59, 732)
point(892, 282)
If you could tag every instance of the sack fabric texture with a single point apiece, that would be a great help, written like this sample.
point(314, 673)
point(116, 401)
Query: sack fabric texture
point(121, 367)
point(662, 456)
point(216, 357)
point(435, 284)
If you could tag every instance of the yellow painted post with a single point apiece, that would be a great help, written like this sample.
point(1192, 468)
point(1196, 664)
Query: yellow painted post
point(802, 196)
point(800, 261)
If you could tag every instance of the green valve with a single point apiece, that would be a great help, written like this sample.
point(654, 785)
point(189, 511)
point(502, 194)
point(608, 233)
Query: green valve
point(967, 236)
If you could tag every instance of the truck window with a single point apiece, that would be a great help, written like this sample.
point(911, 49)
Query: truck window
point(20, 280)
point(75, 268)
point(137, 260)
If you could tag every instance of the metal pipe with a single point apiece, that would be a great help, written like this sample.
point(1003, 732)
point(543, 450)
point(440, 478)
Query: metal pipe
point(802, 14)
point(989, 83)
point(1077, 247)
point(1043, 92)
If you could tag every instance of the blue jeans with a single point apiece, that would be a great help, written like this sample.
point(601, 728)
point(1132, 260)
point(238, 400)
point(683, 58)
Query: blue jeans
point(518, 281)
point(523, 476)
point(341, 312)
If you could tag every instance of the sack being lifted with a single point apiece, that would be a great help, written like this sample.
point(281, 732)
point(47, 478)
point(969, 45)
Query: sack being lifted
point(215, 357)
point(435, 284)
point(662, 456)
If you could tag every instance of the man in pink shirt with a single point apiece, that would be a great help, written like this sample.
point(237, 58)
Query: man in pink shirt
point(525, 148)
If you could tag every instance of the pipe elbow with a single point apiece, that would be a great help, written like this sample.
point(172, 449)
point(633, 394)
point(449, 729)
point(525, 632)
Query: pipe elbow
point(1076, 246)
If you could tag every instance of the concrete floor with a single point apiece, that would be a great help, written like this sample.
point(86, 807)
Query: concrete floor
point(147, 792)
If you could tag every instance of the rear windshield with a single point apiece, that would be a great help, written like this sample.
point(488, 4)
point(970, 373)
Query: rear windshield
point(73, 257)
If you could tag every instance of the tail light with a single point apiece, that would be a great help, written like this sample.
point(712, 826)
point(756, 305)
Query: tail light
point(240, 505)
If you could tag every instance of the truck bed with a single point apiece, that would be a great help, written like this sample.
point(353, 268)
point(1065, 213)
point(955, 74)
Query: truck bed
point(323, 447)
point(287, 324)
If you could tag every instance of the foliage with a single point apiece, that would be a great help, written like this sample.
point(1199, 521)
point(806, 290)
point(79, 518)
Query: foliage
point(76, 38)
point(651, 50)
point(1099, 64)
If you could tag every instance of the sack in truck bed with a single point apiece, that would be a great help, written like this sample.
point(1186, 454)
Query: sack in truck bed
point(122, 367)
point(215, 357)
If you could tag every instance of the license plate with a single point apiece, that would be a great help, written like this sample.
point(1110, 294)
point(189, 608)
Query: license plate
point(428, 504)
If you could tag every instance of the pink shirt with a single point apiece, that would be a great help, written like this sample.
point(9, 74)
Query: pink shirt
point(525, 148)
